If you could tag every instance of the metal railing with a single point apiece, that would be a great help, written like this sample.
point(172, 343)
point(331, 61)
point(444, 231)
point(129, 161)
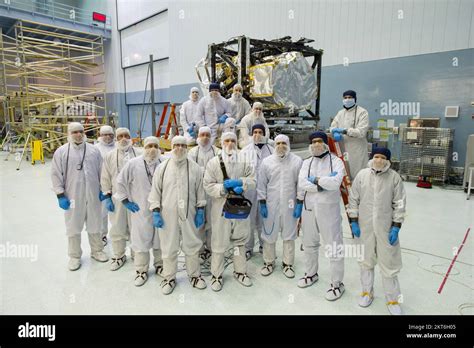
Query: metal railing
point(56, 9)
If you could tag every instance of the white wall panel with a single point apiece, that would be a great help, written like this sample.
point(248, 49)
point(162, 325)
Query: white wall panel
point(135, 77)
point(406, 27)
point(427, 28)
point(439, 20)
point(465, 18)
point(148, 37)
point(452, 24)
point(361, 30)
point(132, 11)
point(397, 23)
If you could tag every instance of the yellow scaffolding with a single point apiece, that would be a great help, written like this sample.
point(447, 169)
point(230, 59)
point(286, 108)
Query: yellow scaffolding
point(50, 76)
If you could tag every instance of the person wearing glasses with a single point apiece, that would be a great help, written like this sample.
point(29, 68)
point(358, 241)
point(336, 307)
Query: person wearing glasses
point(75, 175)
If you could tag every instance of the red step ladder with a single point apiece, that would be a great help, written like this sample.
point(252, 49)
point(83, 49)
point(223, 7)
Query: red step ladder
point(335, 148)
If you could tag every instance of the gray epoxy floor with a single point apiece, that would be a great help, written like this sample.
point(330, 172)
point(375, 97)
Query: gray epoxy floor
point(436, 223)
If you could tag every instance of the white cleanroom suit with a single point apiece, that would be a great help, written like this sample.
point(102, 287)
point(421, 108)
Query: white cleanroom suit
point(133, 186)
point(177, 194)
point(321, 215)
point(104, 149)
point(239, 106)
point(255, 154)
point(75, 175)
point(120, 217)
point(356, 121)
point(202, 154)
point(377, 200)
point(208, 113)
point(244, 129)
point(228, 232)
point(277, 185)
point(187, 116)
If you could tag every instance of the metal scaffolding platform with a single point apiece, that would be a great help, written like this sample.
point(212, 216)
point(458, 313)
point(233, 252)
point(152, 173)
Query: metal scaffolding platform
point(50, 76)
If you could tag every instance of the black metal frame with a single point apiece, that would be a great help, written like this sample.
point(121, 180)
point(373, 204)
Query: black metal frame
point(258, 50)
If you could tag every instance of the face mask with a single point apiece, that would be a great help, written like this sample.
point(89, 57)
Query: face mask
point(348, 103)
point(237, 95)
point(318, 149)
point(106, 139)
point(77, 138)
point(124, 143)
point(179, 153)
point(151, 154)
point(229, 148)
point(214, 94)
point(258, 139)
point(281, 150)
point(203, 141)
point(257, 112)
point(378, 163)
point(194, 97)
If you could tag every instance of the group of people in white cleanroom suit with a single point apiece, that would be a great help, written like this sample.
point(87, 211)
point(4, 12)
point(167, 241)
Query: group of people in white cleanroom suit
point(166, 203)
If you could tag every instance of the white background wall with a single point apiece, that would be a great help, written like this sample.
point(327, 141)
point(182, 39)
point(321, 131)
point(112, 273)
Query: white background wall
point(132, 11)
point(136, 76)
point(357, 30)
point(360, 30)
point(148, 37)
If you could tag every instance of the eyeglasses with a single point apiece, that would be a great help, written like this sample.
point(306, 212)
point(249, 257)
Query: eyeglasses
point(149, 146)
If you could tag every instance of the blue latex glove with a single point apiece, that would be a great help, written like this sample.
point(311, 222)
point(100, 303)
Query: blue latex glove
point(192, 134)
point(355, 229)
point(311, 179)
point(337, 136)
point(298, 210)
point(333, 174)
point(393, 235)
point(64, 203)
point(337, 130)
point(199, 218)
point(191, 128)
point(223, 118)
point(231, 183)
point(102, 197)
point(132, 206)
point(263, 210)
point(109, 204)
point(238, 190)
point(157, 220)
